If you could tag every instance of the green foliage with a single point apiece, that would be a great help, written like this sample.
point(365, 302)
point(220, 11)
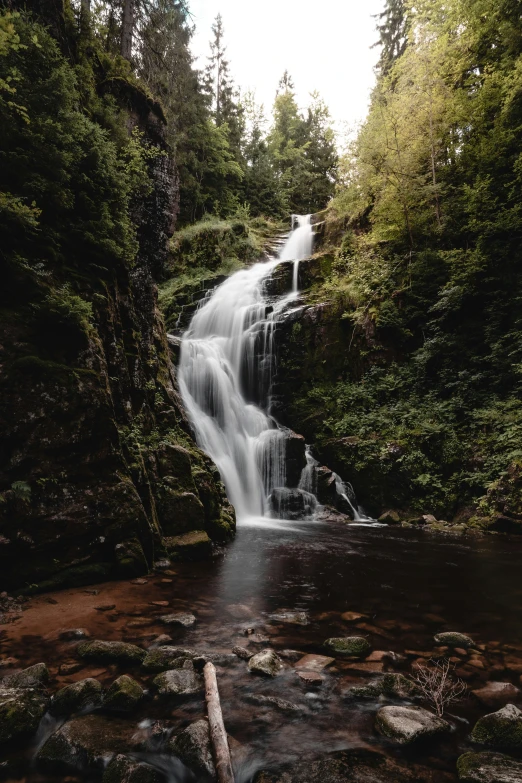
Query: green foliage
point(21, 490)
point(66, 310)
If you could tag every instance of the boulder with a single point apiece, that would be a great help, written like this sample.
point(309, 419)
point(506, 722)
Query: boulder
point(111, 652)
point(272, 701)
point(265, 662)
point(83, 744)
point(184, 619)
point(178, 682)
point(314, 663)
point(294, 618)
point(130, 559)
point(77, 696)
point(295, 457)
point(20, 711)
point(123, 695)
point(36, 676)
point(123, 769)
point(489, 768)
point(74, 634)
point(391, 684)
point(497, 694)
point(408, 724)
point(390, 517)
point(355, 646)
point(454, 639)
point(291, 504)
point(194, 748)
point(195, 545)
point(501, 729)
point(164, 657)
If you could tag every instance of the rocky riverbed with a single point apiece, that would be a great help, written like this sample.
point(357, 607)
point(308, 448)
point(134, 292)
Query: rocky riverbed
point(316, 664)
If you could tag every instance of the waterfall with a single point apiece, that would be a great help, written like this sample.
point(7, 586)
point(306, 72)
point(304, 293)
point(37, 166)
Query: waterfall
point(225, 376)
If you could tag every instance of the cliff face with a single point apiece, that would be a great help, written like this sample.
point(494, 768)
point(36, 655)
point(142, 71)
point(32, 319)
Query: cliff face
point(99, 472)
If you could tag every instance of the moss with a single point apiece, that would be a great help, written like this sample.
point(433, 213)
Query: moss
point(190, 546)
point(488, 768)
point(77, 696)
point(111, 652)
point(356, 646)
point(123, 695)
point(131, 560)
point(20, 712)
point(76, 576)
point(502, 729)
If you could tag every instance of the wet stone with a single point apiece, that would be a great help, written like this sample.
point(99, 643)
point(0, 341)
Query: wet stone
point(311, 679)
point(77, 696)
point(184, 619)
point(36, 676)
point(314, 663)
point(111, 652)
point(20, 711)
point(454, 639)
point(501, 729)
point(159, 659)
point(240, 612)
point(123, 769)
point(489, 768)
point(70, 668)
point(293, 618)
point(123, 695)
point(266, 663)
point(178, 682)
point(272, 701)
point(355, 646)
point(194, 748)
point(408, 724)
point(242, 653)
point(74, 634)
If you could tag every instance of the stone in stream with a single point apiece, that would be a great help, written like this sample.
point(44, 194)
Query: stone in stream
point(189, 546)
point(408, 724)
point(294, 618)
point(160, 659)
point(123, 695)
point(77, 696)
point(123, 769)
point(36, 676)
point(497, 694)
point(311, 679)
point(178, 682)
point(272, 701)
point(489, 768)
point(265, 662)
point(314, 663)
point(186, 619)
point(391, 684)
point(111, 652)
point(74, 634)
point(454, 639)
point(240, 612)
point(354, 646)
point(501, 729)
point(20, 711)
point(194, 748)
point(70, 668)
point(83, 744)
point(390, 518)
point(242, 653)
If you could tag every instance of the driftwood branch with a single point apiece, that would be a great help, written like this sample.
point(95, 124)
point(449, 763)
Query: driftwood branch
point(218, 734)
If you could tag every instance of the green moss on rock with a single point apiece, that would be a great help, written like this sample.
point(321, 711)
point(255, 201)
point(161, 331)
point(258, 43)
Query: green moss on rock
point(123, 695)
point(501, 729)
point(356, 646)
point(111, 652)
point(20, 711)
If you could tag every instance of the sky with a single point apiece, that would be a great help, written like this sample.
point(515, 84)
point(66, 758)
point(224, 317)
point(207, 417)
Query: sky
point(324, 44)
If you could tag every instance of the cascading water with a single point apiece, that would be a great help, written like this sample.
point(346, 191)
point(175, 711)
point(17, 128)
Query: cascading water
point(225, 375)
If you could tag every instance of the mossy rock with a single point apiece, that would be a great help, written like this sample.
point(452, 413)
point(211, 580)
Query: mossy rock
point(164, 657)
point(131, 560)
point(454, 639)
point(408, 724)
point(354, 646)
point(76, 576)
point(77, 696)
point(390, 518)
point(189, 546)
point(20, 711)
point(501, 729)
point(111, 652)
point(36, 676)
point(178, 682)
point(123, 695)
point(122, 769)
point(178, 512)
point(194, 748)
point(489, 768)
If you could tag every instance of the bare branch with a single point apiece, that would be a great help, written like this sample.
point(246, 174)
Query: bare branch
point(437, 685)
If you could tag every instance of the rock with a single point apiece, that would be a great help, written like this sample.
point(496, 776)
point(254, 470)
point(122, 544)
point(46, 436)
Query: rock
point(123, 695)
point(242, 653)
point(502, 729)
point(356, 646)
point(454, 639)
point(111, 652)
point(73, 634)
point(36, 676)
point(294, 504)
point(429, 519)
point(489, 768)
point(352, 617)
point(311, 679)
point(265, 662)
point(272, 701)
point(194, 748)
point(70, 668)
point(76, 697)
point(391, 684)
point(179, 618)
point(83, 744)
point(20, 711)
point(162, 639)
point(130, 559)
point(123, 769)
point(240, 611)
point(177, 682)
point(365, 667)
point(190, 546)
point(407, 724)
point(389, 518)
point(314, 663)
point(159, 659)
point(105, 607)
point(294, 618)
point(497, 694)
point(150, 737)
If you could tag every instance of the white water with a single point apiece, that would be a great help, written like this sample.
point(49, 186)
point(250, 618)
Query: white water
point(225, 374)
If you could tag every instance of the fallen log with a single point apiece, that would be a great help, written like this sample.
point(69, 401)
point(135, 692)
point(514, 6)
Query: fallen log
point(218, 735)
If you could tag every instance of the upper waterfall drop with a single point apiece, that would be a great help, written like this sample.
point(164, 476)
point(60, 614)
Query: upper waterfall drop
point(225, 374)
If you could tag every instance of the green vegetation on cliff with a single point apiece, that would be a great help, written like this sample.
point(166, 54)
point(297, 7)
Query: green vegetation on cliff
point(423, 237)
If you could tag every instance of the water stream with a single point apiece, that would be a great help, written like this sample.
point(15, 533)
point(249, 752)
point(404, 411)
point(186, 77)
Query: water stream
point(225, 375)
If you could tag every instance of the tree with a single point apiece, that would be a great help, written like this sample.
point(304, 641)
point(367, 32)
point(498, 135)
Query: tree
point(393, 34)
point(127, 28)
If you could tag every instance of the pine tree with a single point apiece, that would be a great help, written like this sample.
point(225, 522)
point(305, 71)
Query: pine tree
point(393, 33)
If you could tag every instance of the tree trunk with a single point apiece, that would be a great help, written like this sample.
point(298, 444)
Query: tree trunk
point(127, 29)
point(218, 734)
point(86, 7)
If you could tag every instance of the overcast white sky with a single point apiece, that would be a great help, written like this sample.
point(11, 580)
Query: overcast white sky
point(324, 44)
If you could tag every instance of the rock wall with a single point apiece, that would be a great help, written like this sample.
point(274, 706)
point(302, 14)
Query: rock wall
point(99, 472)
